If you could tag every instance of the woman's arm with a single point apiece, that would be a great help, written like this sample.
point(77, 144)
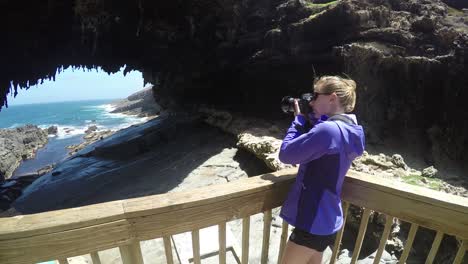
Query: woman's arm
point(298, 148)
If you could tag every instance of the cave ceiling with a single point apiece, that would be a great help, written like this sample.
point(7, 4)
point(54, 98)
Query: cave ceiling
point(246, 54)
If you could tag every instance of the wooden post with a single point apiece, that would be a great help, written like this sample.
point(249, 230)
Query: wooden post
point(360, 237)
point(168, 249)
point(245, 239)
point(266, 236)
point(460, 253)
point(131, 254)
point(383, 239)
point(409, 243)
point(95, 258)
point(196, 246)
point(435, 247)
point(284, 237)
point(339, 236)
point(222, 242)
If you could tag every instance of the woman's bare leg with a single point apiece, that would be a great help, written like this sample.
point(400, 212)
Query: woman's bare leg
point(297, 254)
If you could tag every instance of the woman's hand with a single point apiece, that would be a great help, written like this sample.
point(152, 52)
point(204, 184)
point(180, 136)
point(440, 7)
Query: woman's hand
point(297, 110)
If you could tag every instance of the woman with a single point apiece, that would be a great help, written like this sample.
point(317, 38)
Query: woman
point(325, 153)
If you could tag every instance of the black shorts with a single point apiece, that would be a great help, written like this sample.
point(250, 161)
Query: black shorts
point(316, 242)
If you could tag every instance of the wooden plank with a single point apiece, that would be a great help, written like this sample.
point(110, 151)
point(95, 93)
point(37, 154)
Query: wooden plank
point(339, 235)
point(425, 207)
point(208, 195)
point(60, 220)
point(168, 250)
point(72, 218)
point(245, 239)
point(434, 247)
point(460, 253)
point(95, 258)
point(75, 242)
point(131, 254)
point(421, 199)
point(383, 240)
point(413, 192)
point(409, 243)
point(187, 219)
point(196, 246)
point(266, 236)
point(222, 242)
point(361, 234)
point(284, 238)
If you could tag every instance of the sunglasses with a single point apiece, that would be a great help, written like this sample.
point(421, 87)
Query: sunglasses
point(315, 95)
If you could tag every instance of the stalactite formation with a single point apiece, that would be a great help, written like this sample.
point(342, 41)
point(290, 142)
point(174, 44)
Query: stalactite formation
point(408, 57)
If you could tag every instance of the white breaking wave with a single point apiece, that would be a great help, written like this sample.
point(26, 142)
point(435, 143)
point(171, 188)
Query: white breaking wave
point(65, 131)
point(106, 107)
point(127, 120)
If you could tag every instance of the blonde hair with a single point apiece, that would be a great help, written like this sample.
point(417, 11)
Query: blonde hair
point(344, 88)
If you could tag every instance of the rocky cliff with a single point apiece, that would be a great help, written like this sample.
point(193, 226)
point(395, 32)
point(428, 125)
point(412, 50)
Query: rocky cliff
point(141, 104)
point(408, 57)
point(19, 144)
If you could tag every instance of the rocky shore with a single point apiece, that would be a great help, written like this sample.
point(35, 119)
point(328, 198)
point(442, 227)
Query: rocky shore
point(19, 144)
point(92, 134)
point(141, 104)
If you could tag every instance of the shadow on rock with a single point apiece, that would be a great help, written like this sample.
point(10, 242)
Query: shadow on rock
point(147, 159)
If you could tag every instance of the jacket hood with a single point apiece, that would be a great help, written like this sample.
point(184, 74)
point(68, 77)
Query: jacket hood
point(353, 136)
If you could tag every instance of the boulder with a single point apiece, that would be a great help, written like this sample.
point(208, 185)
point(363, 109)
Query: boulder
point(52, 130)
point(429, 172)
point(90, 137)
point(398, 160)
point(91, 129)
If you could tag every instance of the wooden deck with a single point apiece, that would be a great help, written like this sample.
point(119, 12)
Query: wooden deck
point(57, 235)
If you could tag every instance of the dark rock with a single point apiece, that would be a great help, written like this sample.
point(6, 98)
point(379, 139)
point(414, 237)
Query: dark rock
point(19, 144)
point(91, 129)
point(141, 104)
point(424, 25)
point(13, 188)
point(45, 169)
point(8, 184)
point(90, 138)
point(52, 130)
point(457, 3)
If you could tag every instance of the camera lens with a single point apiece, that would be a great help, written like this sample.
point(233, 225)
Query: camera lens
point(287, 104)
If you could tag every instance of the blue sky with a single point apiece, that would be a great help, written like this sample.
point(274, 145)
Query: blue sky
point(76, 85)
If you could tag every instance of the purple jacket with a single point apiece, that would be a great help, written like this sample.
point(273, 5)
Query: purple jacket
point(325, 154)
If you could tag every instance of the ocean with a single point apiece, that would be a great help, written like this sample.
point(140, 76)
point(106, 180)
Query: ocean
point(71, 118)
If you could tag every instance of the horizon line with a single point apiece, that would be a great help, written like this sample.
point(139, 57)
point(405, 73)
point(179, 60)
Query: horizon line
point(65, 101)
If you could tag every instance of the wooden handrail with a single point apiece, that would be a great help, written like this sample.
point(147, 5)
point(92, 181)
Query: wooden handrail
point(428, 208)
point(78, 231)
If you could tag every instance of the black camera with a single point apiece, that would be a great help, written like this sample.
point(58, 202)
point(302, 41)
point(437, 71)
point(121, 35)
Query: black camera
point(287, 103)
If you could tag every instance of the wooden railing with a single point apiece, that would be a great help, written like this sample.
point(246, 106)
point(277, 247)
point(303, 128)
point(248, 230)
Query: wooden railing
point(89, 229)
